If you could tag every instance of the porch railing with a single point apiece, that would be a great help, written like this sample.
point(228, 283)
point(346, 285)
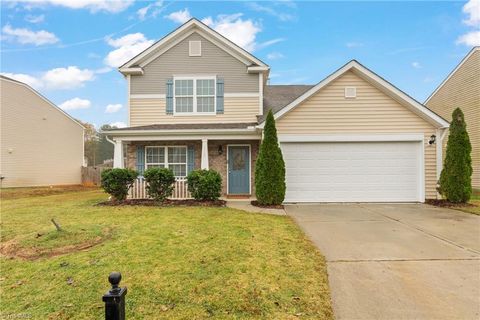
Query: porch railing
point(138, 190)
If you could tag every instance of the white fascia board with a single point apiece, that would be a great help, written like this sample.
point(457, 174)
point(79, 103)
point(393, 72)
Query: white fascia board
point(208, 31)
point(354, 65)
point(137, 71)
point(257, 69)
point(453, 72)
point(46, 100)
point(351, 137)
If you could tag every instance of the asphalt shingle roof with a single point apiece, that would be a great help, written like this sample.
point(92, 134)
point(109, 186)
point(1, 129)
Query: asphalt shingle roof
point(182, 126)
point(276, 97)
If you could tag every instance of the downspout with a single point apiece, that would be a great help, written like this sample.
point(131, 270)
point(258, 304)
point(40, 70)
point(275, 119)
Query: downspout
point(109, 140)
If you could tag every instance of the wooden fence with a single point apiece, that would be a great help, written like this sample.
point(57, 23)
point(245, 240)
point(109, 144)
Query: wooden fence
point(92, 175)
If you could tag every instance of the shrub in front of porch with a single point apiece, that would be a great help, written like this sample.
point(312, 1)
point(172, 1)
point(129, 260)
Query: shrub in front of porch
point(204, 184)
point(456, 176)
point(270, 167)
point(159, 183)
point(116, 182)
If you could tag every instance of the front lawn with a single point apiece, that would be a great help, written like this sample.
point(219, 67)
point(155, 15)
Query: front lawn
point(178, 263)
point(475, 200)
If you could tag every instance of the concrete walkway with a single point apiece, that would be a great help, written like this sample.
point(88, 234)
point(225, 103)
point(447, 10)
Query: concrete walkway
point(402, 261)
point(247, 206)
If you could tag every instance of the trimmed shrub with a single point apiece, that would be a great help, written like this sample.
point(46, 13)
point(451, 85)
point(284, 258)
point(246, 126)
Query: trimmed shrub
point(456, 176)
point(204, 184)
point(117, 182)
point(159, 183)
point(270, 167)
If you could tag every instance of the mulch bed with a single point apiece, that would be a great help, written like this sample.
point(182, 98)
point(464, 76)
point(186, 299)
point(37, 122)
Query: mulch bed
point(166, 203)
point(273, 206)
point(446, 204)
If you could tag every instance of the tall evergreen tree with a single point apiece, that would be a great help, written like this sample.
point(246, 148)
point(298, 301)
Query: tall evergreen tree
point(456, 177)
point(270, 167)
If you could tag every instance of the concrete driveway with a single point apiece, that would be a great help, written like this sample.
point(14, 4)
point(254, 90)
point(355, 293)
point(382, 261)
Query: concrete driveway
point(397, 261)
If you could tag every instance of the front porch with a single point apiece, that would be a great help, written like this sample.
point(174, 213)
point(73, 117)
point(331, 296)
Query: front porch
point(234, 159)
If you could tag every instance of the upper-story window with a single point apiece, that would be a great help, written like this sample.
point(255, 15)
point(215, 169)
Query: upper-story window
point(194, 95)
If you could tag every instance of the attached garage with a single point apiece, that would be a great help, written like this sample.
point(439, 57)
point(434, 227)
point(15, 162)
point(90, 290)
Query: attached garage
point(356, 171)
point(354, 137)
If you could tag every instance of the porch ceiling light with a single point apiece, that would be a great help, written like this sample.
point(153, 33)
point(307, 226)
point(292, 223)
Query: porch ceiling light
point(432, 140)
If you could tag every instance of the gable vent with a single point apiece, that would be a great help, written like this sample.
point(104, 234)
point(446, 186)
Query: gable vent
point(195, 48)
point(350, 92)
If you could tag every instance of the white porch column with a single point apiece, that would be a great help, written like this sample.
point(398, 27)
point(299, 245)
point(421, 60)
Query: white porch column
point(118, 154)
point(204, 163)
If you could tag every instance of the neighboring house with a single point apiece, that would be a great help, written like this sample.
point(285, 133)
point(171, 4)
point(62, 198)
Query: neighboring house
point(461, 89)
point(40, 144)
point(197, 100)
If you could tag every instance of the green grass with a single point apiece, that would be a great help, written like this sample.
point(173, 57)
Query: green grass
point(178, 263)
point(475, 200)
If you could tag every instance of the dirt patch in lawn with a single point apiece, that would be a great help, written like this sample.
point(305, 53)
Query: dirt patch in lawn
point(13, 248)
point(272, 206)
point(447, 204)
point(166, 203)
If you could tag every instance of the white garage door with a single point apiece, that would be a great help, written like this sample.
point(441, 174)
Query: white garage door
point(353, 171)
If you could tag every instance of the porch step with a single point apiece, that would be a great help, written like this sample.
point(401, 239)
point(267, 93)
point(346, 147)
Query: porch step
point(238, 196)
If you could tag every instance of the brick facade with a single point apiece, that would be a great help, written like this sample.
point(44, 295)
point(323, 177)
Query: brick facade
point(217, 161)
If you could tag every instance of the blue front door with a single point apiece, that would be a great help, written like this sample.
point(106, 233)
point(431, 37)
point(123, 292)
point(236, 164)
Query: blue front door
point(238, 170)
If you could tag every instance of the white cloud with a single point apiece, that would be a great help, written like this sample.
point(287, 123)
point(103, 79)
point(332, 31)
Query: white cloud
point(180, 16)
point(59, 78)
point(25, 78)
point(111, 6)
point(112, 108)
point(154, 9)
point(240, 31)
point(275, 56)
point(271, 11)
point(127, 47)
point(35, 19)
point(26, 36)
point(67, 78)
point(416, 65)
point(268, 43)
point(118, 124)
point(354, 44)
point(102, 70)
point(471, 38)
point(472, 10)
point(75, 104)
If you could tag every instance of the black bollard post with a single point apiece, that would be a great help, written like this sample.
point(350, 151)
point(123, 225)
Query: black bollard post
point(115, 298)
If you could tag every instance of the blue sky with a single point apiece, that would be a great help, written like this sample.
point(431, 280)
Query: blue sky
point(69, 50)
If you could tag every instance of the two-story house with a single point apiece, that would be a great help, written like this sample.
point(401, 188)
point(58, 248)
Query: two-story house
point(197, 100)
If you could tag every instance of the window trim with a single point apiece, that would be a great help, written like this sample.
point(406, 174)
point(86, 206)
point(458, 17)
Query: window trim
point(195, 112)
point(166, 163)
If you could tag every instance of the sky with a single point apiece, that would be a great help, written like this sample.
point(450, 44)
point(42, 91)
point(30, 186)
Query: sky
point(69, 50)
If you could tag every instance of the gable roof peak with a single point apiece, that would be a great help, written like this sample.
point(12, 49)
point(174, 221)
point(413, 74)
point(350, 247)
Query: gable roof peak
point(134, 65)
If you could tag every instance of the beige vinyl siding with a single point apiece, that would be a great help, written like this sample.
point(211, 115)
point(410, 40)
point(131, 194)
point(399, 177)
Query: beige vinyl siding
point(176, 61)
point(152, 111)
point(371, 112)
point(462, 90)
point(39, 144)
